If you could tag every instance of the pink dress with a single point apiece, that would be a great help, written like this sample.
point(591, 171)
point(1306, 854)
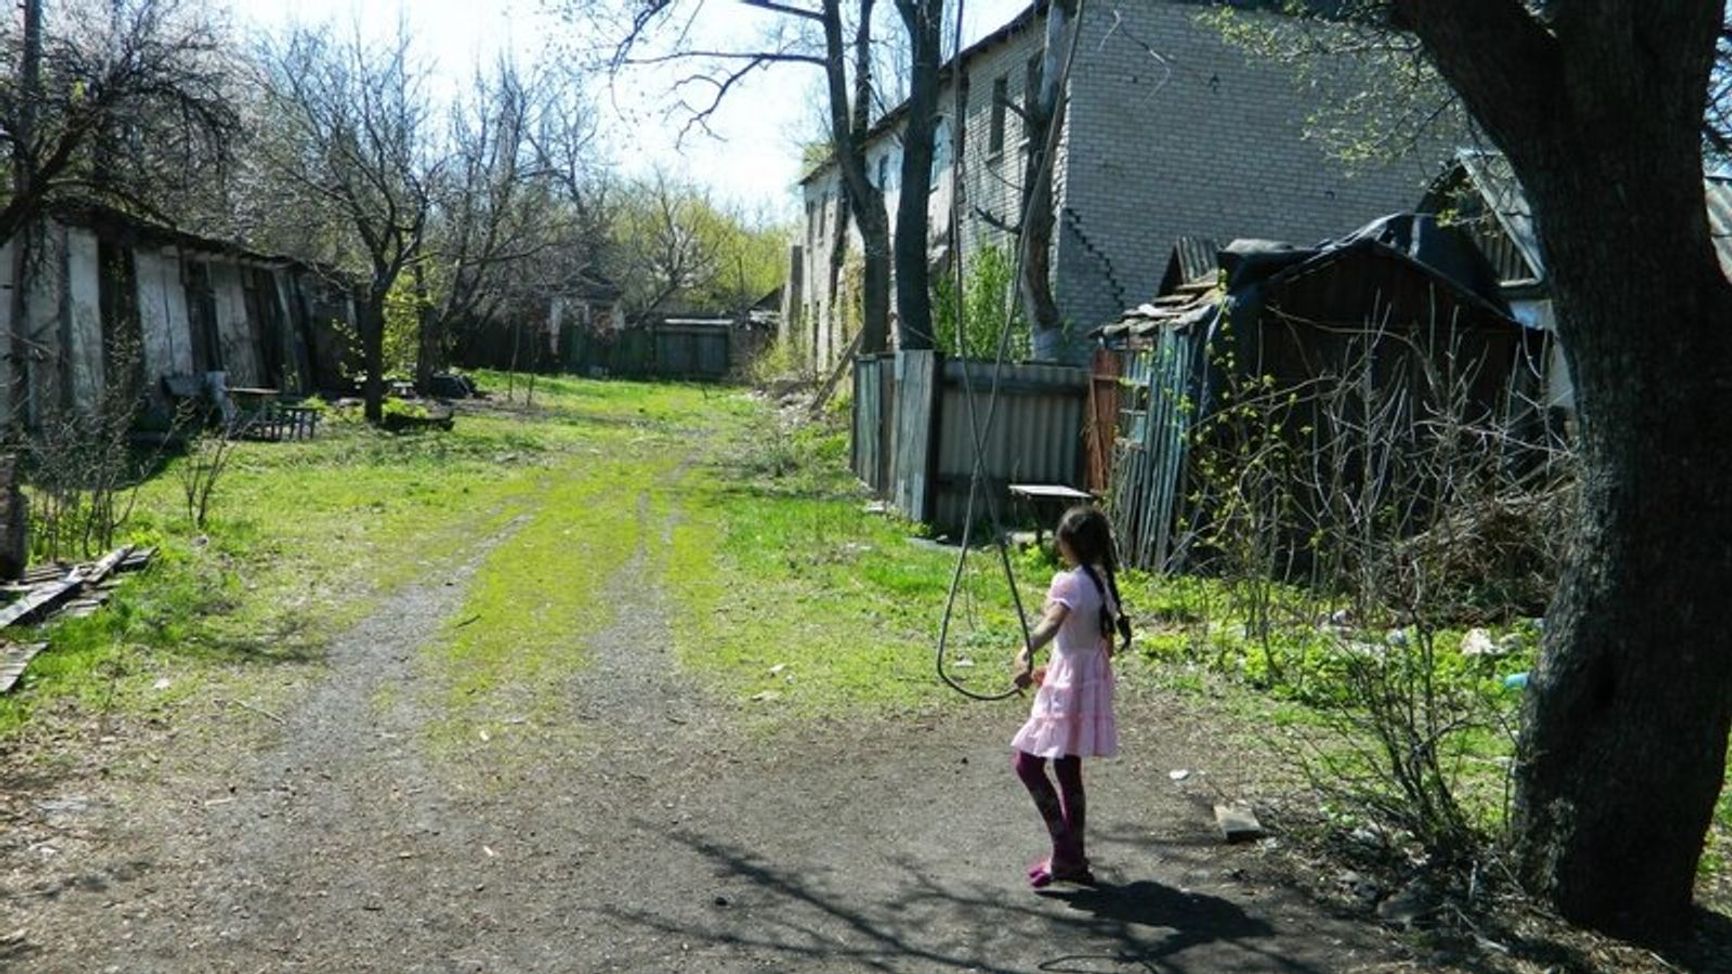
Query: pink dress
point(1073, 709)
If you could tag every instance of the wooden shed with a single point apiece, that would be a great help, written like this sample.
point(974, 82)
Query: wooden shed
point(1413, 300)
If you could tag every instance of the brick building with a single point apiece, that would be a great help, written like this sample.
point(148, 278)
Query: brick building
point(1171, 132)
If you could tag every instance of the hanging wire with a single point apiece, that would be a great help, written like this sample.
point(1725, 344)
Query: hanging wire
point(979, 430)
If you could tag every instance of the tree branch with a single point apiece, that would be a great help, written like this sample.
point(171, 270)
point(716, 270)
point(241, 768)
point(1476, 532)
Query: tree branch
point(1505, 64)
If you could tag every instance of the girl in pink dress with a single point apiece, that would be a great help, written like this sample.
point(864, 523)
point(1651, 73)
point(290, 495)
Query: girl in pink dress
point(1072, 716)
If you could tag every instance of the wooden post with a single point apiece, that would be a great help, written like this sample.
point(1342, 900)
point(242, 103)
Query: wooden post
point(14, 522)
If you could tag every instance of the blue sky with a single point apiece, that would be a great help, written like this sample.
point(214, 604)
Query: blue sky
point(754, 159)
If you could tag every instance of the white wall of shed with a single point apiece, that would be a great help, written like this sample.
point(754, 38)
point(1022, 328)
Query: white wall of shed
point(235, 333)
point(83, 356)
point(162, 313)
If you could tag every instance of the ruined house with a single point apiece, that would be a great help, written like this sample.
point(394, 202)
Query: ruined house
point(1479, 192)
point(1171, 131)
point(1405, 309)
point(113, 302)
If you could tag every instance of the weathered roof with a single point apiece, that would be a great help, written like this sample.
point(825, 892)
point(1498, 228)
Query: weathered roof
point(1252, 266)
point(1492, 177)
point(1192, 262)
point(99, 217)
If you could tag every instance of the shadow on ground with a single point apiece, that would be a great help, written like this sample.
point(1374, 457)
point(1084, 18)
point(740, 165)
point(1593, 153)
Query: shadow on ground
point(813, 919)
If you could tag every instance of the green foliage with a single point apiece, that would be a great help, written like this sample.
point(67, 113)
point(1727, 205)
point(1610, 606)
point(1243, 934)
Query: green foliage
point(1374, 97)
point(308, 535)
point(404, 311)
point(783, 359)
point(674, 247)
point(973, 325)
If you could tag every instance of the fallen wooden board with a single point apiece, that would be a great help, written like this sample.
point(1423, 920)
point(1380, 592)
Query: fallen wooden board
point(39, 600)
point(45, 597)
point(92, 574)
point(1238, 823)
point(139, 559)
point(13, 660)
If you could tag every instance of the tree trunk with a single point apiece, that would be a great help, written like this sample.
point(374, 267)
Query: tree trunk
point(1599, 109)
point(1627, 723)
point(924, 21)
point(1041, 116)
point(23, 188)
point(431, 347)
point(849, 127)
point(371, 308)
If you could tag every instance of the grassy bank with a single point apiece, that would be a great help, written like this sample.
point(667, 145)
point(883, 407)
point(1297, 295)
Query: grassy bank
point(305, 537)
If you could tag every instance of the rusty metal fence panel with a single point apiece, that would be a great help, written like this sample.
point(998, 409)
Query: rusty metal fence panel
point(1163, 389)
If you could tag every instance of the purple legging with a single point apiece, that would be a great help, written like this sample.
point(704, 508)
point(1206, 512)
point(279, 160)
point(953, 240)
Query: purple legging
point(1062, 810)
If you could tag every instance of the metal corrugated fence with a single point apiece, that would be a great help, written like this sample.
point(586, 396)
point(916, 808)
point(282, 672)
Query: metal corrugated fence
point(1164, 386)
point(667, 351)
point(1036, 434)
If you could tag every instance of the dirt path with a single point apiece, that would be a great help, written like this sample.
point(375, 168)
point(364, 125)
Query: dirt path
point(653, 834)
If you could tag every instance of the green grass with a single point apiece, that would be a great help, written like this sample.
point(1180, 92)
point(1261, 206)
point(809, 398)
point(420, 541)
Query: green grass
point(784, 595)
point(305, 537)
point(796, 601)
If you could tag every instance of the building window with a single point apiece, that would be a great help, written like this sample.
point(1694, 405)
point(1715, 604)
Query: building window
point(811, 224)
point(1000, 101)
point(1030, 93)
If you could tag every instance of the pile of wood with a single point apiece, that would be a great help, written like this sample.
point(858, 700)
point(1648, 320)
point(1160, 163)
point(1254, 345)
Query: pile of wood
point(50, 591)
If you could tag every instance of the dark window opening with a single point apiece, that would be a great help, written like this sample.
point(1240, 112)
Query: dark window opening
point(1030, 94)
point(122, 332)
point(1000, 101)
point(265, 314)
point(207, 351)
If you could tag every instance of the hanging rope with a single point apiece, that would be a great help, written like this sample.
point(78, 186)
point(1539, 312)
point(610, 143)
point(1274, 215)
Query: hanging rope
point(978, 430)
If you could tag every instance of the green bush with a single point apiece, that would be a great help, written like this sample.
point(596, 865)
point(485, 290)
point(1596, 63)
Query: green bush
point(973, 325)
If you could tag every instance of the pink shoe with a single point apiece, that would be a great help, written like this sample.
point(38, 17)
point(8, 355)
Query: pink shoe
point(1043, 875)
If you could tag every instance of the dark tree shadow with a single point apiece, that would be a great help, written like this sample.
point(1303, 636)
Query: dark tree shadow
point(935, 924)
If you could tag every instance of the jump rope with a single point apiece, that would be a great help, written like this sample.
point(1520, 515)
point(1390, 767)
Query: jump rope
point(979, 430)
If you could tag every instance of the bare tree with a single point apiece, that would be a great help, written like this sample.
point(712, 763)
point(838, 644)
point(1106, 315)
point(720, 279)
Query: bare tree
point(120, 103)
point(108, 100)
point(516, 190)
point(805, 32)
point(355, 139)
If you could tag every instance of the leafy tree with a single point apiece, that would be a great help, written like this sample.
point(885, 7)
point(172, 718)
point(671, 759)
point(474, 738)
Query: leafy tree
point(676, 250)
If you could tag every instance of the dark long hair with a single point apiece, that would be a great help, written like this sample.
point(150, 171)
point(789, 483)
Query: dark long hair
point(1088, 534)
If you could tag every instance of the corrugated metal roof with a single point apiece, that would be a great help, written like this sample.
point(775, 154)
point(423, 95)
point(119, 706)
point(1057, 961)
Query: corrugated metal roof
point(1495, 180)
point(1193, 261)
